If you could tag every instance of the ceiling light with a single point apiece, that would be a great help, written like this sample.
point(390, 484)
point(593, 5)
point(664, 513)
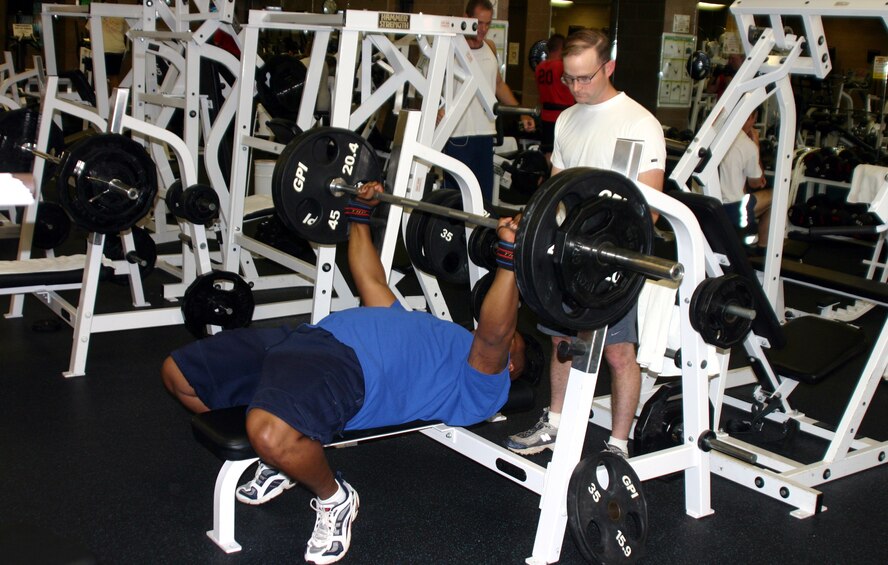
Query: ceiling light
point(710, 6)
point(561, 3)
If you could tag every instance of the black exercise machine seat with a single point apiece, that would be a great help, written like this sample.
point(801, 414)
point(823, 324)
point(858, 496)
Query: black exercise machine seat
point(224, 431)
point(806, 348)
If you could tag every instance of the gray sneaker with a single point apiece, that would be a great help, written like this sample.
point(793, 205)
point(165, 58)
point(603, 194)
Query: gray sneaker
point(538, 438)
point(615, 450)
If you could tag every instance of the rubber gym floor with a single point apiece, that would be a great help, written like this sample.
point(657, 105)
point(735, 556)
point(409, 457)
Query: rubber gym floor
point(103, 468)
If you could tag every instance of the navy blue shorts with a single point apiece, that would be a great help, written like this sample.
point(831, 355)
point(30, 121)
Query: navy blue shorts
point(476, 151)
point(625, 330)
point(304, 376)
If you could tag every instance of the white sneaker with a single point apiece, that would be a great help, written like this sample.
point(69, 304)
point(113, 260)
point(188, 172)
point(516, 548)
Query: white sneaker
point(332, 532)
point(538, 438)
point(267, 484)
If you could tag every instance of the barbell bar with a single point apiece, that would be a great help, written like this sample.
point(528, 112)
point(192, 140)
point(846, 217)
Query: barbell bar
point(113, 184)
point(606, 252)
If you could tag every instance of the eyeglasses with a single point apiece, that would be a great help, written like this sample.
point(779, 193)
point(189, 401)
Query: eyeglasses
point(569, 80)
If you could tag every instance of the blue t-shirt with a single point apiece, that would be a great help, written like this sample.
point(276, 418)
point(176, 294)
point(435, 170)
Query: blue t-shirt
point(415, 368)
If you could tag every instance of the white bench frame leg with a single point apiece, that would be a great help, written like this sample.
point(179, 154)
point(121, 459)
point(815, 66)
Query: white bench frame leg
point(227, 480)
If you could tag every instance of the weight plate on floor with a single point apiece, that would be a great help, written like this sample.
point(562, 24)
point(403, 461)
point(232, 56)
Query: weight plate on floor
point(606, 509)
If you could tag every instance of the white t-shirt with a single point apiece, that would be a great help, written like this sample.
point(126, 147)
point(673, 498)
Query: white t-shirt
point(740, 163)
point(586, 134)
point(475, 120)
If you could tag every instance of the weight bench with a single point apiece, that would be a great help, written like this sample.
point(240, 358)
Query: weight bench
point(829, 344)
point(804, 349)
point(224, 433)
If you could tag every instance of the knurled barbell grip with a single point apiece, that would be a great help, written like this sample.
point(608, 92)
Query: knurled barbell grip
point(505, 110)
point(339, 185)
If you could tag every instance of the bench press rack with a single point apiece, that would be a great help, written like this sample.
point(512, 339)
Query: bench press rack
point(551, 481)
point(366, 32)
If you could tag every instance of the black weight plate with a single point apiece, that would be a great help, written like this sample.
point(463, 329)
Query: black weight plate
point(200, 204)
point(51, 227)
point(482, 247)
point(302, 176)
point(220, 298)
point(17, 128)
point(708, 314)
point(479, 292)
point(83, 176)
point(173, 198)
point(414, 233)
point(145, 253)
point(699, 65)
point(445, 244)
point(574, 289)
point(538, 53)
point(606, 509)
point(659, 422)
point(279, 84)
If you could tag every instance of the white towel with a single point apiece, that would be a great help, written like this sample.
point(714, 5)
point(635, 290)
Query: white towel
point(14, 190)
point(867, 183)
point(655, 306)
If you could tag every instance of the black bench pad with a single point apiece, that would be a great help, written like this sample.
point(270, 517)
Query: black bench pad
point(819, 347)
point(224, 431)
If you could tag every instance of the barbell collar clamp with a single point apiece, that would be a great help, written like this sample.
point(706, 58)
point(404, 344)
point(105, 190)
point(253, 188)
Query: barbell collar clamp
point(338, 186)
point(610, 254)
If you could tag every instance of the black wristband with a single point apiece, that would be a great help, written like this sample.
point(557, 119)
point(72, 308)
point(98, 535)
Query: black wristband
point(505, 253)
point(357, 211)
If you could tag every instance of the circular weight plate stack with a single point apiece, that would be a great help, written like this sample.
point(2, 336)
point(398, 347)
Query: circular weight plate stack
point(659, 424)
point(279, 83)
point(220, 298)
point(709, 315)
point(538, 53)
point(83, 183)
point(482, 247)
point(445, 244)
point(302, 175)
point(51, 227)
point(145, 254)
point(479, 291)
point(606, 509)
point(200, 204)
point(17, 128)
point(414, 233)
point(563, 285)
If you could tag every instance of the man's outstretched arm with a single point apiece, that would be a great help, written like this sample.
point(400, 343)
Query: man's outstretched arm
point(363, 258)
point(498, 318)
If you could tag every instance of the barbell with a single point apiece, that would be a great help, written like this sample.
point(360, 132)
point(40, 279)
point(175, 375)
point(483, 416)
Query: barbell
point(583, 243)
point(106, 182)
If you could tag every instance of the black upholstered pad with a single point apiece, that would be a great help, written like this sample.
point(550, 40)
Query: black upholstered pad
point(819, 347)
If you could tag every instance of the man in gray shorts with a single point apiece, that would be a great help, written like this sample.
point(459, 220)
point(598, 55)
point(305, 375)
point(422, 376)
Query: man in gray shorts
point(585, 136)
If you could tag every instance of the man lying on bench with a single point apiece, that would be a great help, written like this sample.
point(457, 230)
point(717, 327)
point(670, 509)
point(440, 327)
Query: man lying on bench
point(361, 368)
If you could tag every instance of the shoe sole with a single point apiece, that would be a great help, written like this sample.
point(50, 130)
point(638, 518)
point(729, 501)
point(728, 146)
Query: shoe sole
point(530, 450)
point(346, 544)
point(273, 493)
